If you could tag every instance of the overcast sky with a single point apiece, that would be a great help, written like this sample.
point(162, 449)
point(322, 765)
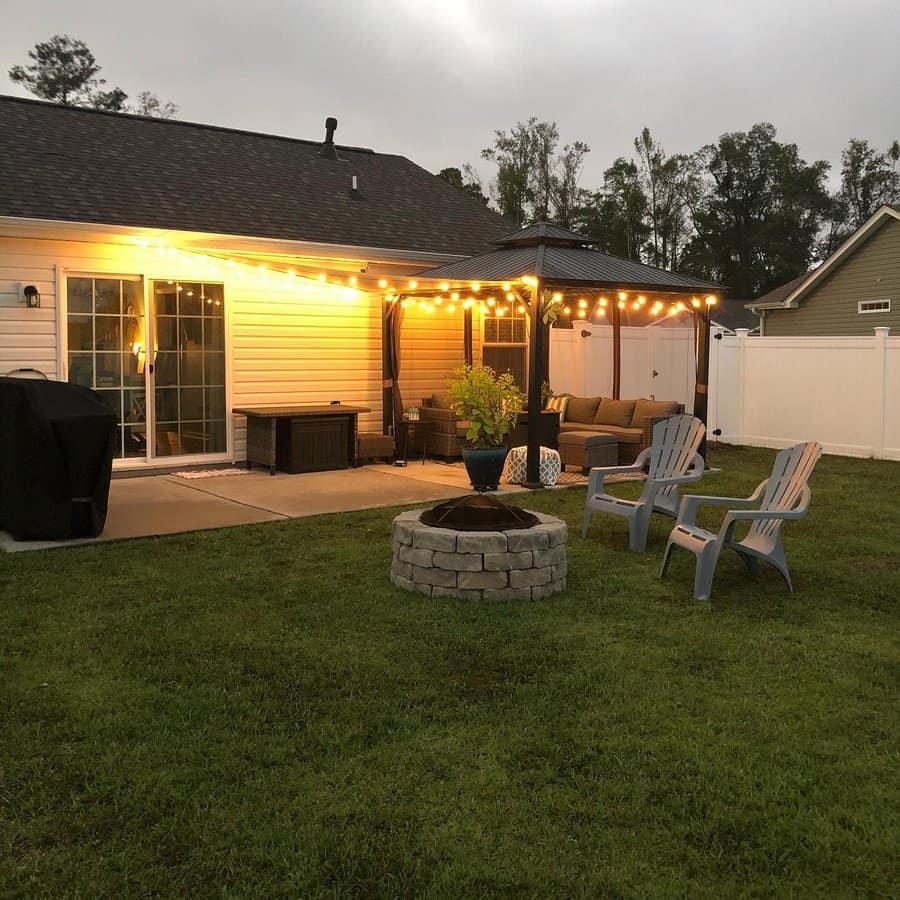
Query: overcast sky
point(432, 80)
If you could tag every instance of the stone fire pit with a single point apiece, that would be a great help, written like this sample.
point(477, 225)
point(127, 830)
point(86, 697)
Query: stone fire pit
point(520, 564)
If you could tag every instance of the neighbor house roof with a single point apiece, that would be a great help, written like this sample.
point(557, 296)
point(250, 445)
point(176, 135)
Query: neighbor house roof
point(80, 165)
point(733, 314)
point(788, 295)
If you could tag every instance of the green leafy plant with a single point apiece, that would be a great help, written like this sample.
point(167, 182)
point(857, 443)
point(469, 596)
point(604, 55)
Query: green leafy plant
point(491, 403)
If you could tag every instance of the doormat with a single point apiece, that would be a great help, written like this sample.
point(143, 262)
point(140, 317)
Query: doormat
point(211, 473)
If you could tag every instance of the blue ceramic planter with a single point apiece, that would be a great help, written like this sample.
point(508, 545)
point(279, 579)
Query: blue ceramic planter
point(484, 466)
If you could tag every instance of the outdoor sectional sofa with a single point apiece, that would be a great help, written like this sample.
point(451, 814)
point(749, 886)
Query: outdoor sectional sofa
point(630, 421)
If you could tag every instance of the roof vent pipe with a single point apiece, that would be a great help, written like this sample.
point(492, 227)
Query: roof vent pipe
point(328, 151)
point(354, 187)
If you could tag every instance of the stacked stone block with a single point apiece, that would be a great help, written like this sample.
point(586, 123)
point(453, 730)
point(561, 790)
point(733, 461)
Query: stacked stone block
point(521, 564)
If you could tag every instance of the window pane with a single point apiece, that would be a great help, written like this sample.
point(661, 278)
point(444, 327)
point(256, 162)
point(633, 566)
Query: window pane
point(135, 439)
point(215, 437)
point(81, 369)
point(166, 405)
point(108, 371)
point(214, 334)
point(214, 300)
point(134, 403)
point(166, 369)
point(109, 332)
point(190, 302)
point(167, 333)
point(81, 333)
point(132, 333)
point(168, 442)
point(133, 298)
point(166, 297)
point(191, 367)
point(191, 332)
point(132, 370)
point(193, 436)
point(107, 296)
point(215, 403)
point(214, 364)
point(192, 403)
point(80, 293)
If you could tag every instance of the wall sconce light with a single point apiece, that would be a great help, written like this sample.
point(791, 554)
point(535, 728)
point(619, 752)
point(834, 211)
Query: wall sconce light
point(32, 296)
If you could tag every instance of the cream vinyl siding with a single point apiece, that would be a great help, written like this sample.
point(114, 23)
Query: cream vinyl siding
point(284, 344)
point(27, 336)
point(831, 308)
point(431, 346)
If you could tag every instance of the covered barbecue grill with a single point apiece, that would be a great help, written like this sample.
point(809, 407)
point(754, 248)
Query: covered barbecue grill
point(56, 449)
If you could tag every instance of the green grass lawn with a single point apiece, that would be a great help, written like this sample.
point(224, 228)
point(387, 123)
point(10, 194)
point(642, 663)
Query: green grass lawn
point(259, 712)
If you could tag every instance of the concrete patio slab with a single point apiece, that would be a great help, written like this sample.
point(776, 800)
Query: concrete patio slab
point(148, 506)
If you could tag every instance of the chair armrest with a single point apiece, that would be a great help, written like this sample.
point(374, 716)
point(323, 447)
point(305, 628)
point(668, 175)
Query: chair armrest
point(757, 515)
point(690, 503)
point(596, 476)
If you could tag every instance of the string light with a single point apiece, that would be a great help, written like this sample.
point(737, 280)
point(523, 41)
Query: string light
point(621, 304)
point(567, 310)
point(603, 301)
point(583, 304)
point(454, 296)
point(601, 311)
point(521, 309)
point(445, 286)
point(506, 286)
point(711, 300)
point(413, 285)
point(581, 313)
point(623, 296)
point(557, 298)
point(695, 303)
point(476, 286)
point(382, 283)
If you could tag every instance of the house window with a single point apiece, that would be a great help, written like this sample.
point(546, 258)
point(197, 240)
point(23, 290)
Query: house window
point(504, 346)
point(874, 306)
point(105, 327)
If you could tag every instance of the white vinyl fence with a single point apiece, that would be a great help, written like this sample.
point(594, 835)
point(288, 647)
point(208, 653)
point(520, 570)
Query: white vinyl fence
point(656, 362)
point(843, 392)
point(775, 391)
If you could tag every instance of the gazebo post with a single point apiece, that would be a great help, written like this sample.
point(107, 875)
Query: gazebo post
point(617, 351)
point(535, 380)
point(701, 385)
point(467, 335)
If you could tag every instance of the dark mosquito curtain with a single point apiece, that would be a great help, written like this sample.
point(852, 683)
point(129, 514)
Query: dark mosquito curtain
point(392, 402)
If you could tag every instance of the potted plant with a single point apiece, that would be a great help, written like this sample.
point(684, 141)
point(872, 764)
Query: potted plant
point(491, 404)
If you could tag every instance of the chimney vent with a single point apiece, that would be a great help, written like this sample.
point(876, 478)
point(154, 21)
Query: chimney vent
point(328, 151)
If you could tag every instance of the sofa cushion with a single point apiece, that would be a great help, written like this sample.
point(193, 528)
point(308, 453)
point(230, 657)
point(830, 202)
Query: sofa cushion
point(645, 409)
point(558, 403)
point(441, 400)
point(582, 409)
point(615, 412)
point(623, 435)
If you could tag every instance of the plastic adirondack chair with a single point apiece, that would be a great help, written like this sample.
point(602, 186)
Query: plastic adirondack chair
point(673, 460)
point(785, 495)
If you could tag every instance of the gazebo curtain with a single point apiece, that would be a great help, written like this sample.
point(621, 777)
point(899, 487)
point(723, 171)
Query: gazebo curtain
point(393, 319)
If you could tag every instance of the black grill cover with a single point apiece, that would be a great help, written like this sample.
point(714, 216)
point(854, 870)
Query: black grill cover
point(56, 449)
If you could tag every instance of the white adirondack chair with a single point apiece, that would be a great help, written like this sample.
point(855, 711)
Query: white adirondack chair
point(785, 495)
point(673, 460)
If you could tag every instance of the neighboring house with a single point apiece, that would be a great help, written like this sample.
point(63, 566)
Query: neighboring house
point(184, 270)
point(733, 314)
point(855, 290)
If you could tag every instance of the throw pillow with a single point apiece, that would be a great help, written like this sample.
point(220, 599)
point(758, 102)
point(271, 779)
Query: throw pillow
point(441, 401)
point(645, 409)
point(615, 412)
point(558, 404)
point(582, 409)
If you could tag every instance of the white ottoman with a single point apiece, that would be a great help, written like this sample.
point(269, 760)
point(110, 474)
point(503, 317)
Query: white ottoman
point(516, 462)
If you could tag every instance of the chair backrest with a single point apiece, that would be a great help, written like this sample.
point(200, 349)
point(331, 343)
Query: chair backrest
point(790, 477)
point(675, 443)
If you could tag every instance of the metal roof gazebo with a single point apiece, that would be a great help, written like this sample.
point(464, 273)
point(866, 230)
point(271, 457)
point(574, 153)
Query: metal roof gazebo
point(560, 273)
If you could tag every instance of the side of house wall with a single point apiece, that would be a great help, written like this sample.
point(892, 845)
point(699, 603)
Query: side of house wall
point(872, 272)
point(431, 347)
point(288, 340)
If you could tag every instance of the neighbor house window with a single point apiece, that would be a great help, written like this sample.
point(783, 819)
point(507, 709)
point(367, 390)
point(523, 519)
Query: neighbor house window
point(874, 306)
point(106, 351)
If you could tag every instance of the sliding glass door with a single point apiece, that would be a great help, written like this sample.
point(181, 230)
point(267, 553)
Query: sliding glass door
point(189, 374)
point(107, 352)
point(172, 352)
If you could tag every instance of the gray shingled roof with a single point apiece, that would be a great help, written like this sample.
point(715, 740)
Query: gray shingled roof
point(567, 262)
point(64, 163)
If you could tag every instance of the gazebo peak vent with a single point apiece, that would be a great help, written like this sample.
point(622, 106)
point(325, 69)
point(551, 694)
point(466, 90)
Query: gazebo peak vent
point(543, 233)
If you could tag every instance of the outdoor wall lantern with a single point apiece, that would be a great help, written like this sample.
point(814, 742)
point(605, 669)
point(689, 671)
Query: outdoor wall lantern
point(32, 296)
